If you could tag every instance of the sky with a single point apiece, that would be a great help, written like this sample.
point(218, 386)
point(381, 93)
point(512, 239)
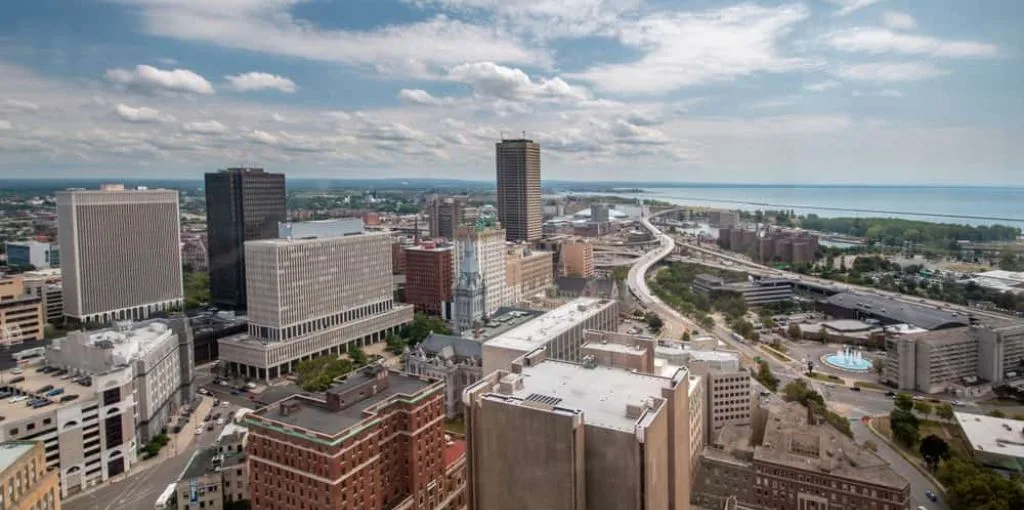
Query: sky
point(820, 91)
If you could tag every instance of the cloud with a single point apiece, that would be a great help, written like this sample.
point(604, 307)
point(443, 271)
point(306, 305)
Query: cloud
point(19, 105)
point(205, 127)
point(421, 97)
point(878, 93)
point(880, 40)
point(269, 26)
point(260, 81)
point(822, 86)
point(686, 49)
point(5, 125)
point(849, 6)
point(491, 80)
point(633, 134)
point(890, 71)
point(149, 78)
point(899, 20)
point(772, 104)
point(546, 18)
point(141, 115)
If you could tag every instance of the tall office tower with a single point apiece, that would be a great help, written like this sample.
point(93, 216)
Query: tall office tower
point(519, 207)
point(491, 256)
point(470, 292)
point(429, 279)
point(121, 252)
point(577, 436)
point(313, 297)
point(373, 441)
point(446, 214)
point(242, 204)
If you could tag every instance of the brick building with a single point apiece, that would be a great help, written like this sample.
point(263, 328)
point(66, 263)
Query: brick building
point(376, 441)
point(428, 280)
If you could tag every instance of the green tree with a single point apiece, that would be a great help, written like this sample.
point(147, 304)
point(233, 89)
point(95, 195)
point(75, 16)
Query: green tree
point(395, 344)
point(421, 326)
point(823, 333)
point(766, 377)
point(793, 331)
point(870, 445)
point(904, 427)
point(653, 321)
point(933, 449)
point(970, 487)
point(923, 408)
point(707, 322)
point(944, 411)
point(358, 356)
point(878, 365)
point(1009, 261)
point(686, 336)
point(317, 374)
point(904, 402)
point(996, 413)
point(197, 289)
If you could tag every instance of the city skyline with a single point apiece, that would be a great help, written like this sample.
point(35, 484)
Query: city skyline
point(825, 91)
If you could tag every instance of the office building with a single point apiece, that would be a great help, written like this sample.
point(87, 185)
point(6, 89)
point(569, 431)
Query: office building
point(469, 297)
point(151, 352)
point(242, 204)
point(313, 297)
point(26, 482)
point(375, 441)
point(519, 203)
point(787, 459)
point(545, 433)
point(47, 285)
point(577, 259)
point(216, 474)
point(429, 279)
point(994, 442)
point(335, 227)
point(527, 272)
point(737, 239)
point(559, 331)
point(447, 215)
point(491, 260)
point(724, 219)
point(455, 360)
point(194, 255)
point(22, 317)
point(87, 438)
point(965, 361)
point(32, 253)
point(764, 291)
point(121, 253)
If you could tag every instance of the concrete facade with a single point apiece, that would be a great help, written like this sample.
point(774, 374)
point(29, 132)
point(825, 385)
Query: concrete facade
point(24, 480)
point(519, 199)
point(47, 285)
point(527, 272)
point(32, 253)
point(21, 313)
point(577, 259)
point(121, 253)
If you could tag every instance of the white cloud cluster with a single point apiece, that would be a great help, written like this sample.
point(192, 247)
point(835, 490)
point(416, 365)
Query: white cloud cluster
point(260, 81)
point(18, 105)
point(899, 20)
point(491, 80)
point(850, 6)
point(822, 86)
point(141, 114)
point(205, 127)
point(890, 71)
point(880, 40)
point(149, 78)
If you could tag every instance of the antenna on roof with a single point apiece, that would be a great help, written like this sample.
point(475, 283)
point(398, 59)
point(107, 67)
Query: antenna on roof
point(501, 134)
point(524, 134)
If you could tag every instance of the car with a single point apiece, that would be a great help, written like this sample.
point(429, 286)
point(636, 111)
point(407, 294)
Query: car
point(236, 392)
point(957, 403)
point(17, 370)
point(199, 431)
point(44, 389)
point(921, 507)
point(203, 391)
point(891, 394)
point(16, 380)
point(215, 416)
point(19, 398)
point(854, 388)
point(220, 421)
point(68, 398)
point(210, 426)
point(931, 495)
point(54, 392)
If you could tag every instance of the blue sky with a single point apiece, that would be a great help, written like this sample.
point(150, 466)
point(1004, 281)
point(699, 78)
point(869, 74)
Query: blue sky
point(821, 91)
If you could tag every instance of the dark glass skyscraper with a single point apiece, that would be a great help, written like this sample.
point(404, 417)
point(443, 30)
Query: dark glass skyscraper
point(242, 204)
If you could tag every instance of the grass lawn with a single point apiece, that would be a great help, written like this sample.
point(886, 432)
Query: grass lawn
point(455, 426)
point(949, 433)
point(869, 385)
point(776, 354)
point(826, 377)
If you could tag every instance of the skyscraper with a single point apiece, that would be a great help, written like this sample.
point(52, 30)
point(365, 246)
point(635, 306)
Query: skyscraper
point(242, 204)
point(519, 205)
point(121, 252)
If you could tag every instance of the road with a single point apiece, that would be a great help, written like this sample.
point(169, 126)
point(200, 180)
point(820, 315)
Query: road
point(849, 403)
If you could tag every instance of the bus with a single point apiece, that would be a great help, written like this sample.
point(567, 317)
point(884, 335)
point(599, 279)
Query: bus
point(166, 499)
point(35, 352)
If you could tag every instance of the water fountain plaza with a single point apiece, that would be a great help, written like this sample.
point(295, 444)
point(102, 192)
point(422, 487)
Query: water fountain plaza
point(847, 358)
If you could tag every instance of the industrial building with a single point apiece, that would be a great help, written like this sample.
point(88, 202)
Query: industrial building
point(313, 297)
point(560, 331)
point(527, 272)
point(120, 251)
point(48, 285)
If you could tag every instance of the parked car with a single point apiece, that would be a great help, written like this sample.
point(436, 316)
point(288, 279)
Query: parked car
point(68, 398)
point(854, 388)
point(931, 495)
point(54, 392)
point(16, 380)
point(44, 389)
point(17, 370)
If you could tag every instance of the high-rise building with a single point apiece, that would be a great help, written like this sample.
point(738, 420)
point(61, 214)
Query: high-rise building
point(519, 205)
point(32, 253)
point(429, 279)
point(527, 272)
point(312, 297)
point(121, 252)
point(446, 215)
point(26, 481)
point(22, 316)
point(375, 441)
point(491, 255)
point(557, 434)
point(242, 204)
point(577, 259)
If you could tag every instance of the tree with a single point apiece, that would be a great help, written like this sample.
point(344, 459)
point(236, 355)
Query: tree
point(395, 344)
point(969, 487)
point(904, 427)
point(878, 364)
point(944, 411)
point(707, 322)
point(421, 326)
point(686, 336)
point(870, 445)
point(904, 402)
point(824, 335)
point(996, 413)
point(1009, 261)
point(793, 331)
point(358, 356)
point(653, 321)
point(933, 449)
point(923, 408)
point(317, 374)
point(766, 377)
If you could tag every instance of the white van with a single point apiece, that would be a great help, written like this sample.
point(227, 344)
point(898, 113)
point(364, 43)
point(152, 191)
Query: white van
point(15, 400)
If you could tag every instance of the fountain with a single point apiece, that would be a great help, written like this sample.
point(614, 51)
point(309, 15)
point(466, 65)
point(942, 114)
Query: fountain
point(848, 358)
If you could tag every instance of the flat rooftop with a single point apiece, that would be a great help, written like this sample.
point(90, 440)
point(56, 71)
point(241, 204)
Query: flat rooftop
point(200, 463)
point(997, 436)
point(600, 393)
point(923, 316)
point(33, 381)
point(614, 347)
point(126, 339)
point(314, 240)
point(506, 319)
point(313, 414)
point(11, 451)
point(536, 332)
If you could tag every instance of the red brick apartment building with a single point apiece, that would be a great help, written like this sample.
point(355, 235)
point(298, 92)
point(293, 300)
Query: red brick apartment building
point(376, 441)
point(428, 278)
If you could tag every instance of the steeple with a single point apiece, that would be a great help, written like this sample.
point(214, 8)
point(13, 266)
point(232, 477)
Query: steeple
point(469, 289)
